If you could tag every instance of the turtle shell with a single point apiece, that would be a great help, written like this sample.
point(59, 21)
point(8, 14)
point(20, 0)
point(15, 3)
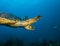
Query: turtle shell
point(9, 16)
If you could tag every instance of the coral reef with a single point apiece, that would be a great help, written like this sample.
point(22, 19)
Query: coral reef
point(18, 42)
point(46, 43)
point(12, 42)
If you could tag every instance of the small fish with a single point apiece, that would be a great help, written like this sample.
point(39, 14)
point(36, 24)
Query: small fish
point(27, 23)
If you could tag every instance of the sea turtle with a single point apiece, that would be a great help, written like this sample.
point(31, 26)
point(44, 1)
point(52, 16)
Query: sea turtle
point(12, 20)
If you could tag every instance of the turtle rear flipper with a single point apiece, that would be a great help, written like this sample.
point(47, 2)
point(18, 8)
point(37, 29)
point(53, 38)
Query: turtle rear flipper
point(27, 24)
point(25, 18)
point(29, 27)
point(31, 21)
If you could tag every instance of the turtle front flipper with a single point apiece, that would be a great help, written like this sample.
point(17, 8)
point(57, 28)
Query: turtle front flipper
point(6, 21)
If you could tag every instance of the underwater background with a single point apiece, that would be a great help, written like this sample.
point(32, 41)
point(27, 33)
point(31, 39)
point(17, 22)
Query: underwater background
point(46, 29)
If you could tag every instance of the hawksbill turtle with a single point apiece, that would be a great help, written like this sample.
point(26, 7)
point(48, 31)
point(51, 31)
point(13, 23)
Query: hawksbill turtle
point(12, 20)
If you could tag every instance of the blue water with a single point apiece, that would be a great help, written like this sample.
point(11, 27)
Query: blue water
point(47, 28)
